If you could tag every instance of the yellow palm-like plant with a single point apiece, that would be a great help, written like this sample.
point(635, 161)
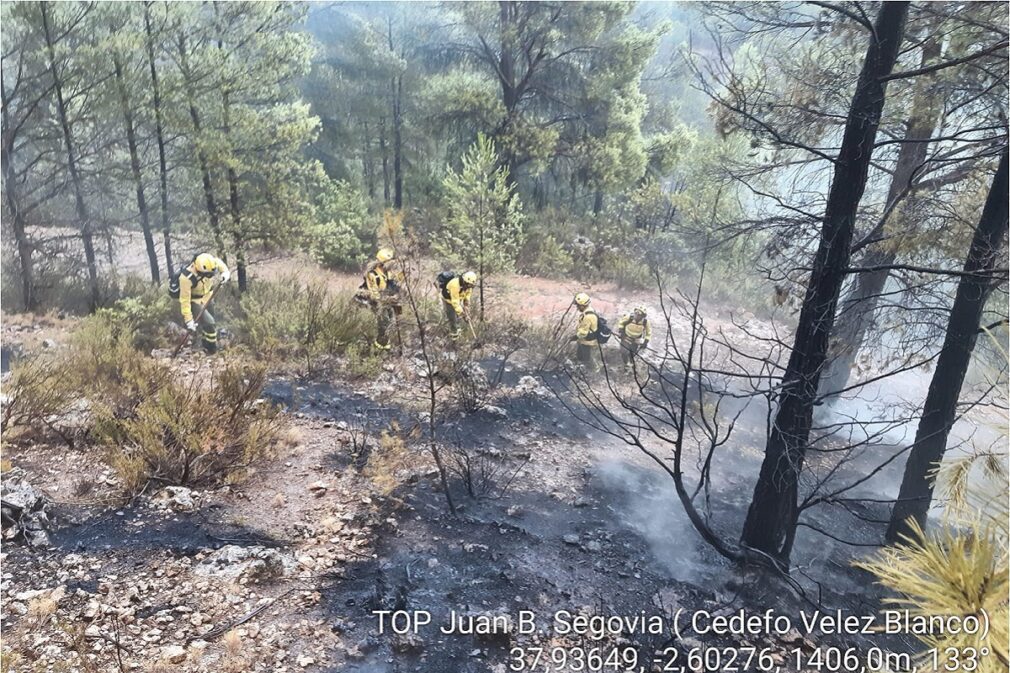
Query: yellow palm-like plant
point(961, 568)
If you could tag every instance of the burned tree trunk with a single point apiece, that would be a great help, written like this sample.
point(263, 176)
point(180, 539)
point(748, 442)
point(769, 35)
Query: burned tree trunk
point(856, 313)
point(160, 137)
point(771, 518)
point(940, 407)
point(138, 178)
point(87, 237)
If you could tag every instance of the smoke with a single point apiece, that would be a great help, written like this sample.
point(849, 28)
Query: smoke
point(643, 500)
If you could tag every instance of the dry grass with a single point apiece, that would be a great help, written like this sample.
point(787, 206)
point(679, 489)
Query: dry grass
point(233, 659)
point(161, 666)
point(42, 608)
point(387, 460)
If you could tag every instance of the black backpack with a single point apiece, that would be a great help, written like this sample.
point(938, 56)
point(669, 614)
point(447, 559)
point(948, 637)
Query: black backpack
point(173, 282)
point(442, 280)
point(603, 331)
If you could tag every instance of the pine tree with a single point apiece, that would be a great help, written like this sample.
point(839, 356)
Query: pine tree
point(484, 228)
point(772, 516)
point(939, 411)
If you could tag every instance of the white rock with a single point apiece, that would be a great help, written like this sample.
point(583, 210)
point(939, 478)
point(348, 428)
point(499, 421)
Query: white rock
point(529, 385)
point(177, 498)
point(252, 564)
point(174, 654)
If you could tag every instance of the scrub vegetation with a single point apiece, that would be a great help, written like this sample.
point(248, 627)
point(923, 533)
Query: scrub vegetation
point(406, 225)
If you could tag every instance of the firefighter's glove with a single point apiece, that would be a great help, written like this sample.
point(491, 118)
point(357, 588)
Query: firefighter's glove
point(225, 276)
point(191, 326)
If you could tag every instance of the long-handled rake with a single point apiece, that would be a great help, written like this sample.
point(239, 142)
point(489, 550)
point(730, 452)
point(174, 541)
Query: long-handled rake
point(476, 342)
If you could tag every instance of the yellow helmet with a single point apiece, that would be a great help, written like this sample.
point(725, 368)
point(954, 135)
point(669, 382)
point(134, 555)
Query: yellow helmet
point(469, 278)
point(385, 255)
point(640, 310)
point(205, 264)
point(582, 299)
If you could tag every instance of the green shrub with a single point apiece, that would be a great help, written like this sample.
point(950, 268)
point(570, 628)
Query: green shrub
point(147, 315)
point(188, 432)
point(627, 272)
point(104, 365)
point(343, 234)
point(543, 256)
point(361, 362)
point(38, 399)
point(287, 321)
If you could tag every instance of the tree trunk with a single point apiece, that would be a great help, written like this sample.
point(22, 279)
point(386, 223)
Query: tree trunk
point(367, 163)
point(397, 143)
point(82, 209)
point(508, 18)
point(598, 202)
point(773, 510)
point(385, 160)
point(396, 108)
point(238, 236)
point(940, 408)
point(24, 246)
point(856, 313)
point(208, 185)
point(138, 178)
point(160, 136)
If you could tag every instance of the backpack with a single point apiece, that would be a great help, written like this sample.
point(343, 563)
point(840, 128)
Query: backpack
point(603, 331)
point(443, 279)
point(173, 282)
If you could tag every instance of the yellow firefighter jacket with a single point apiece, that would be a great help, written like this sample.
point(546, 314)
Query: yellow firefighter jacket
point(195, 289)
point(376, 280)
point(586, 330)
point(456, 295)
point(631, 330)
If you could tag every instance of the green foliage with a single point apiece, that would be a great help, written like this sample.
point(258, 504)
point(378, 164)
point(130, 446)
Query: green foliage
point(342, 235)
point(287, 321)
point(628, 272)
point(485, 222)
point(39, 400)
point(146, 315)
point(361, 362)
point(542, 255)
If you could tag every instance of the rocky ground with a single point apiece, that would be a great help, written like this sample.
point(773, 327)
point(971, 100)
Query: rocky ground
point(285, 570)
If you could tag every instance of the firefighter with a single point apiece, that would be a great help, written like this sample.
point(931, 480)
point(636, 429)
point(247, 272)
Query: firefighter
point(456, 293)
point(586, 331)
point(635, 332)
point(196, 283)
point(383, 292)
